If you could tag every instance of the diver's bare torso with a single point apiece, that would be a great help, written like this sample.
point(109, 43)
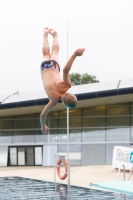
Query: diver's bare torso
point(53, 84)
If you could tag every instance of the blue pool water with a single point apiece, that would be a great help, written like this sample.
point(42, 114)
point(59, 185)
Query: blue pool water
point(18, 188)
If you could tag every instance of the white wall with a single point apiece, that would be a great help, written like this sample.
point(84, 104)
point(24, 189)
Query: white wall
point(3, 156)
point(48, 155)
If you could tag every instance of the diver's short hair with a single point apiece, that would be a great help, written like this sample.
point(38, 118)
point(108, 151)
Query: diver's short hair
point(70, 100)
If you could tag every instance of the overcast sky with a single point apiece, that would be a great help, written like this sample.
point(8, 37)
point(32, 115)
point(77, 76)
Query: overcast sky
point(103, 27)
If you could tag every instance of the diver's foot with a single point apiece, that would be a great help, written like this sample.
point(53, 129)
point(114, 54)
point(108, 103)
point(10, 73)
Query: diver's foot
point(52, 32)
point(45, 31)
point(43, 132)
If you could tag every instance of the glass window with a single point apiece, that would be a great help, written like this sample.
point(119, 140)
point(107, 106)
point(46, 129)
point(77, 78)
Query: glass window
point(75, 112)
point(63, 131)
point(118, 109)
point(94, 116)
point(118, 134)
point(62, 137)
point(85, 124)
point(52, 123)
point(6, 117)
point(75, 135)
point(132, 121)
point(38, 132)
point(38, 122)
point(25, 121)
point(52, 135)
point(93, 135)
point(75, 119)
point(94, 111)
point(5, 133)
point(53, 114)
point(33, 116)
point(118, 122)
point(72, 112)
point(53, 131)
point(63, 113)
point(24, 132)
point(93, 121)
point(73, 122)
point(62, 122)
point(6, 122)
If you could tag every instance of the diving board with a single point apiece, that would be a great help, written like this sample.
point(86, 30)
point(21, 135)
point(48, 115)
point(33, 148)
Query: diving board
point(124, 187)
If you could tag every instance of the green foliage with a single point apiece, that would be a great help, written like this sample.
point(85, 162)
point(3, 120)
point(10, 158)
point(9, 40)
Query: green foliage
point(79, 79)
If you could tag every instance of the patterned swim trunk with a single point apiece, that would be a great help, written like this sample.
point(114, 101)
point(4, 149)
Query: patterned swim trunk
point(49, 64)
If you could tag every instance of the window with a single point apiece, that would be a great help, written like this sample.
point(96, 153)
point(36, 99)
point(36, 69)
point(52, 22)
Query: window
point(6, 122)
point(118, 122)
point(24, 121)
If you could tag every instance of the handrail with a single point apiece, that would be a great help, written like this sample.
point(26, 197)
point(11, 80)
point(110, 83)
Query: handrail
point(130, 173)
point(119, 172)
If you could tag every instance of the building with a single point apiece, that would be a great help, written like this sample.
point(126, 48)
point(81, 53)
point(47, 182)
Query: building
point(102, 120)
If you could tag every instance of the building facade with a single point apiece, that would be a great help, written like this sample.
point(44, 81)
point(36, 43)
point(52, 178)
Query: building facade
point(103, 119)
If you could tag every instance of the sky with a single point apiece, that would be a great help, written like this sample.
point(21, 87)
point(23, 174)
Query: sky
point(103, 27)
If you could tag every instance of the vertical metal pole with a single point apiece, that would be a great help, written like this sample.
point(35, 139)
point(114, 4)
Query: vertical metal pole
point(55, 171)
point(55, 160)
point(68, 145)
point(67, 27)
point(67, 107)
point(68, 121)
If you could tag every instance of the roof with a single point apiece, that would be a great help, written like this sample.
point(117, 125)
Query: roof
point(85, 91)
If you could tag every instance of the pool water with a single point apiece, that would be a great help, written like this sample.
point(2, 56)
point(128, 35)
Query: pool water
point(18, 188)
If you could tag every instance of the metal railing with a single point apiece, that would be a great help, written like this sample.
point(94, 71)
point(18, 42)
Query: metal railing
point(124, 172)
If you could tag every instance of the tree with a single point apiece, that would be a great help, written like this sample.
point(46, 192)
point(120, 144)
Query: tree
point(79, 79)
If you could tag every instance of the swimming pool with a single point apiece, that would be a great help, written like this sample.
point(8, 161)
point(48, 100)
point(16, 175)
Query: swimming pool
point(18, 188)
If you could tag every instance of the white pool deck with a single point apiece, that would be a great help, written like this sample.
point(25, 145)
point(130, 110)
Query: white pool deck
point(79, 175)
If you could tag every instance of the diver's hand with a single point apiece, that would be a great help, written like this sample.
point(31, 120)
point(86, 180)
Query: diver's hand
point(45, 130)
point(79, 52)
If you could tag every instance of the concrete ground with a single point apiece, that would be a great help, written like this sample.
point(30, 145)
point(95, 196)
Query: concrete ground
point(79, 175)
